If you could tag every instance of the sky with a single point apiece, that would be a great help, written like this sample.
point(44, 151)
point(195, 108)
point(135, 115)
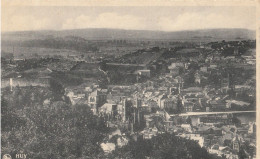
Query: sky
point(173, 18)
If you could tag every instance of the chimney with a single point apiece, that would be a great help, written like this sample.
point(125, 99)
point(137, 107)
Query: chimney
point(124, 109)
point(11, 84)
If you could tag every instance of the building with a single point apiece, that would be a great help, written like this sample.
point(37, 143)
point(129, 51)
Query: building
point(252, 128)
point(188, 106)
point(192, 90)
point(108, 109)
point(226, 119)
point(138, 103)
point(148, 133)
point(96, 99)
point(186, 127)
point(204, 69)
point(145, 73)
point(108, 147)
point(218, 105)
point(196, 137)
point(175, 68)
point(124, 109)
point(169, 104)
point(236, 103)
point(236, 144)
point(197, 77)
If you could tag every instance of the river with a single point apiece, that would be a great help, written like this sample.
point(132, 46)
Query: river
point(243, 117)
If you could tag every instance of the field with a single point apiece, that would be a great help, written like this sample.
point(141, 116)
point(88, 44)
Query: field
point(29, 52)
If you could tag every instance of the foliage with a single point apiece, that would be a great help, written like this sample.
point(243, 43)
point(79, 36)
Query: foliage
point(10, 120)
point(58, 131)
point(162, 147)
point(57, 88)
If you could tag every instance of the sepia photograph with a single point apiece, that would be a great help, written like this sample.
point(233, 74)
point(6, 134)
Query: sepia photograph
point(144, 81)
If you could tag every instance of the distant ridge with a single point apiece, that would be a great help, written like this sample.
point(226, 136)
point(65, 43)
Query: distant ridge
point(107, 34)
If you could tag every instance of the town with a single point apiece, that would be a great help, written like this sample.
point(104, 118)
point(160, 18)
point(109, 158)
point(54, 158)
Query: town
point(200, 91)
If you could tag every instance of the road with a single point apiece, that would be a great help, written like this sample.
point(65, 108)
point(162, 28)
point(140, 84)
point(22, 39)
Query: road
point(125, 64)
point(210, 113)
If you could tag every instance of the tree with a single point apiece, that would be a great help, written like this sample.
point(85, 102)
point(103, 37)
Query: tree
point(236, 121)
point(59, 131)
point(10, 121)
point(163, 146)
point(57, 88)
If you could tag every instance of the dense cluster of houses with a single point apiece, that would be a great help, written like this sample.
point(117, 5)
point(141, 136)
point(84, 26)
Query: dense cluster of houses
point(145, 109)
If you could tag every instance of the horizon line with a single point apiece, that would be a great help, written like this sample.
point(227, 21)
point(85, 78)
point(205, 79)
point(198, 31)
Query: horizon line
point(57, 30)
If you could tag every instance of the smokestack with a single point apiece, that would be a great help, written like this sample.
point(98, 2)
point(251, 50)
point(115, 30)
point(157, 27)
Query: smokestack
point(124, 109)
point(11, 84)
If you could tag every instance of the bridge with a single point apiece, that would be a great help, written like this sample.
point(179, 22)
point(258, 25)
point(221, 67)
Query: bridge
point(210, 113)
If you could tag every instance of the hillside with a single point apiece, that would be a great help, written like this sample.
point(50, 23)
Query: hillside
point(106, 34)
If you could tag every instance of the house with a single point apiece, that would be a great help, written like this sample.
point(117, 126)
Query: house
point(108, 109)
point(174, 71)
point(223, 150)
point(252, 128)
point(217, 104)
point(176, 64)
point(168, 103)
point(213, 66)
point(195, 137)
point(186, 127)
point(158, 98)
point(241, 88)
point(193, 97)
point(115, 133)
point(122, 141)
point(76, 98)
point(231, 103)
point(215, 150)
point(145, 73)
point(242, 131)
point(198, 78)
point(175, 68)
point(204, 69)
point(188, 106)
point(148, 133)
point(231, 156)
point(198, 138)
point(46, 102)
point(214, 119)
point(108, 147)
point(88, 89)
point(192, 90)
point(236, 144)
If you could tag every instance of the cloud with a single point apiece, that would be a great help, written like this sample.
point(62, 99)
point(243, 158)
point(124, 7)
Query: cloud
point(105, 20)
point(26, 22)
point(190, 21)
point(166, 19)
